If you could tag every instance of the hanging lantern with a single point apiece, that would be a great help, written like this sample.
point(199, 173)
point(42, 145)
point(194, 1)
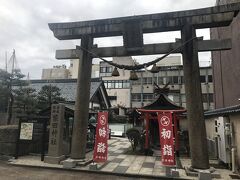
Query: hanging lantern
point(133, 76)
point(115, 72)
point(154, 69)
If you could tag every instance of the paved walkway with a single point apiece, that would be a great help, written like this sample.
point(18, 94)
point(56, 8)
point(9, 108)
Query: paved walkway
point(119, 162)
point(9, 172)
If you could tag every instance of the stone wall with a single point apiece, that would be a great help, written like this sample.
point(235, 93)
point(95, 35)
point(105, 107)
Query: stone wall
point(3, 119)
point(8, 136)
point(8, 139)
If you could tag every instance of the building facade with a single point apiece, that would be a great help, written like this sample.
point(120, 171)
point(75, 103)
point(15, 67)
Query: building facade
point(226, 64)
point(142, 89)
point(73, 69)
point(118, 88)
point(57, 72)
point(135, 94)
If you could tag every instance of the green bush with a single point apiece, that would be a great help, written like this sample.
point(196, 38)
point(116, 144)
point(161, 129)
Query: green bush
point(134, 137)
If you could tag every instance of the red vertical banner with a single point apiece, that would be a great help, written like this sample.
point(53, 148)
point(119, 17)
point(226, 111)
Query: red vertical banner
point(101, 144)
point(166, 138)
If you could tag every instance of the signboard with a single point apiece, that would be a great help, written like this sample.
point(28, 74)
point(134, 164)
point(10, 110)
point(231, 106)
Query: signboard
point(26, 131)
point(101, 145)
point(166, 139)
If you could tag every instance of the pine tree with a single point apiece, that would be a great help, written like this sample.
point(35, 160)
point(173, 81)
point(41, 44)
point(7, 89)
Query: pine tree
point(48, 95)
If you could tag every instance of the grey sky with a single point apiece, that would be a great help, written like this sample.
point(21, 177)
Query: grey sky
point(24, 26)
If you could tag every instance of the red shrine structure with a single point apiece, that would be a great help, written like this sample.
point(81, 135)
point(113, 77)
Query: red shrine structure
point(151, 114)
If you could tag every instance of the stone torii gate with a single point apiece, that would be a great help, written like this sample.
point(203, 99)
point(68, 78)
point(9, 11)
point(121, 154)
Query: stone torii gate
point(132, 29)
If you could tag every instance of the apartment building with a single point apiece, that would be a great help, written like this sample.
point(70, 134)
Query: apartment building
point(126, 93)
point(142, 89)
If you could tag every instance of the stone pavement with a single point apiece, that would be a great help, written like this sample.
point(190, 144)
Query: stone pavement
point(121, 163)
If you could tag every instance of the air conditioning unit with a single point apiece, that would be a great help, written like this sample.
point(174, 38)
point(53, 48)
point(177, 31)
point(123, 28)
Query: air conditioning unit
point(223, 134)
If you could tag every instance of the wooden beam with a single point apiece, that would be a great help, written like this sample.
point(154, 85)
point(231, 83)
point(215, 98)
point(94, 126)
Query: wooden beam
point(199, 18)
point(163, 48)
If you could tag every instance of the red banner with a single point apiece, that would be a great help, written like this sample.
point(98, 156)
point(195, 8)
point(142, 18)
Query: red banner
point(101, 145)
point(166, 139)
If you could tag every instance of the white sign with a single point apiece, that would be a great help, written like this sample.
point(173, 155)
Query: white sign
point(26, 131)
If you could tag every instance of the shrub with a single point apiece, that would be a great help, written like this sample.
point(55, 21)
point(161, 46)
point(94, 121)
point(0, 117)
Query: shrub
point(134, 137)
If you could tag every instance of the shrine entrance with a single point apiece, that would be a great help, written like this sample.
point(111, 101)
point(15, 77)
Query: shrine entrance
point(150, 117)
point(132, 29)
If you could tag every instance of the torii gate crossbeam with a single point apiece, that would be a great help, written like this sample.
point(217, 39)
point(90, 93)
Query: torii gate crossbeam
point(132, 29)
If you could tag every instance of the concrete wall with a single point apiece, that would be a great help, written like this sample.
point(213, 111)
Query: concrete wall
point(55, 73)
point(123, 97)
point(226, 64)
point(73, 69)
point(210, 126)
point(170, 61)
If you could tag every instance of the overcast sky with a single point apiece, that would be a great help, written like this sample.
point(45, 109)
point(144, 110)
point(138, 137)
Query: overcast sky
point(24, 26)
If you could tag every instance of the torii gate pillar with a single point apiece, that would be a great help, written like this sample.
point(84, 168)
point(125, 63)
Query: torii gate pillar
point(195, 116)
point(79, 136)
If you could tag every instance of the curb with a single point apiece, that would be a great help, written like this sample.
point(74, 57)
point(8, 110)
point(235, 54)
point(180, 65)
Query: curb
point(6, 157)
point(97, 172)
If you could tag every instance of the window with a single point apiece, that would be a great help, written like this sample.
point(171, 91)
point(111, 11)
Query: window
point(210, 97)
point(202, 79)
point(136, 97)
point(210, 78)
point(205, 97)
point(126, 84)
point(107, 69)
point(147, 97)
point(175, 79)
point(117, 84)
point(149, 80)
point(160, 80)
point(102, 69)
point(145, 80)
point(106, 84)
point(174, 97)
point(182, 80)
point(111, 84)
point(155, 80)
point(167, 80)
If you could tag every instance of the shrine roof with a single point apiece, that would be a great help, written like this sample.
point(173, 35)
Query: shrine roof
point(223, 111)
point(162, 103)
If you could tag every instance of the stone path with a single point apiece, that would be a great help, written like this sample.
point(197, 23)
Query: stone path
point(120, 162)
